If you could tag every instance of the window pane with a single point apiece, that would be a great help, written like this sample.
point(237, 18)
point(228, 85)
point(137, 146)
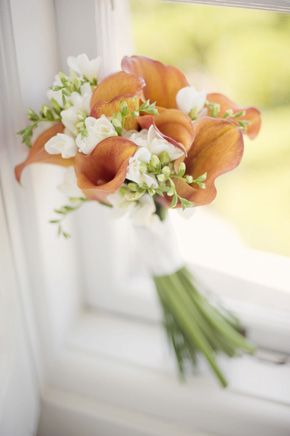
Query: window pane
point(245, 55)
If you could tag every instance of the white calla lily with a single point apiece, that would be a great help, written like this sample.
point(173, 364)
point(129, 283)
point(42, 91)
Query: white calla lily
point(157, 144)
point(61, 144)
point(84, 67)
point(150, 142)
point(97, 129)
point(188, 99)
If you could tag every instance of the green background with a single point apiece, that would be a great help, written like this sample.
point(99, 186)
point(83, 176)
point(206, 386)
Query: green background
point(244, 54)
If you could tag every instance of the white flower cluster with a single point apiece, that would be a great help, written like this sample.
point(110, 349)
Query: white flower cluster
point(82, 132)
point(150, 143)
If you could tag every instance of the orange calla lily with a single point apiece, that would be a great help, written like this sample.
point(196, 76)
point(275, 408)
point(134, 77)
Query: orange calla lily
point(217, 148)
point(37, 153)
point(113, 107)
point(252, 114)
point(104, 170)
point(174, 125)
point(113, 90)
point(162, 81)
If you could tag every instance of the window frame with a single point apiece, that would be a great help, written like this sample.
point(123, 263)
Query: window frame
point(268, 5)
point(71, 366)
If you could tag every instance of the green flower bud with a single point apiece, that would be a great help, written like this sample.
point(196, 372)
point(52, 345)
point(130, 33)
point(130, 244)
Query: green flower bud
point(133, 187)
point(193, 114)
point(166, 171)
point(155, 162)
point(181, 169)
point(123, 190)
point(164, 158)
point(161, 177)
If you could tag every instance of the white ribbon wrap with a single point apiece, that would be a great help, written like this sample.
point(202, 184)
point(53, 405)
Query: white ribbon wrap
point(159, 247)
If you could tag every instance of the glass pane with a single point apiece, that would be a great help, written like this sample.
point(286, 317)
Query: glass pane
point(243, 54)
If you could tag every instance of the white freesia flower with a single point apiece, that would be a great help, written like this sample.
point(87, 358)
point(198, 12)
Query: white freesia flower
point(189, 99)
point(150, 142)
point(135, 171)
point(70, 117)
point(61, 144)
point(82, 101)
point(84, 67)
point(69, 185)
point(55, 95)
point(97, 130)
point(79, 109)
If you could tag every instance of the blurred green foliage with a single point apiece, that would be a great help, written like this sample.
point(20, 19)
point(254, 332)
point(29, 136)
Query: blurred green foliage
point(244, 54)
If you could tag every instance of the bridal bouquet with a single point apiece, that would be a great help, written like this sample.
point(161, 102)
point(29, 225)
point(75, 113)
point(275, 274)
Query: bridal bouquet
point(141, 141)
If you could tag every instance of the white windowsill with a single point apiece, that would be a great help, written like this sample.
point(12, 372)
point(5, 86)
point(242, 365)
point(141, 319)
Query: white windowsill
point(125, 365)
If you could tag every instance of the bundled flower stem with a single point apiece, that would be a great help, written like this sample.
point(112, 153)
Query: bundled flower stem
point(194, 325)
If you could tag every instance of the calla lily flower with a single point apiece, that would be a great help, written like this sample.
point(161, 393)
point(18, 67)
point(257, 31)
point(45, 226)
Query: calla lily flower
point(213, 146)
point(114, 90)
point(103, 172)
point(38, 154)
point(251, 114)
point(217, 148)
point(175, 126)
point(162, 82)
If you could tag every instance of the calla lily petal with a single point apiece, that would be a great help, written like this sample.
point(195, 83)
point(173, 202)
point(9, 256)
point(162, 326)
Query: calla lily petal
point(175, 126)
point(113, 107)
point(252, 114)
point(116, 85)
point(217, 148)
point(162, 81)
point(104, 170)
point(37, 153)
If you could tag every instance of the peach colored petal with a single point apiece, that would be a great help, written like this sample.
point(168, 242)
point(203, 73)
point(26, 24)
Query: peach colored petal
point(217, 148)
point(37, 153)
point(162, 81)
point(117, 85)
point(113, 107)
point(174, 126)
point(252, 114)
point(104, 170)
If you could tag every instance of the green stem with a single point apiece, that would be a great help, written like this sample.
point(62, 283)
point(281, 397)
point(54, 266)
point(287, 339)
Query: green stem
point(194, 325)
point(215, 318)
point(180, 304)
